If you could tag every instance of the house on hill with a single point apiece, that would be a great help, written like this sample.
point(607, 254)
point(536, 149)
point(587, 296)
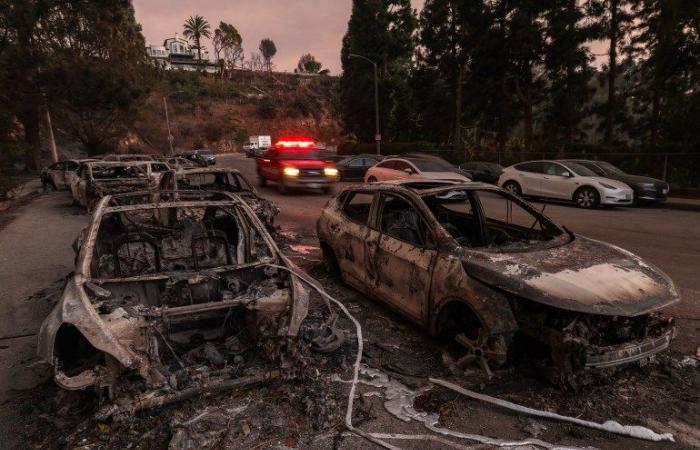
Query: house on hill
point(176, 53)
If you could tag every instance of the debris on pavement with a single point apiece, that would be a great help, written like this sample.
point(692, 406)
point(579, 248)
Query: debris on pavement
point(610, 425)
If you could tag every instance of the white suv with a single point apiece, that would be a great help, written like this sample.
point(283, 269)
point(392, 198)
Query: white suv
point(564, 181)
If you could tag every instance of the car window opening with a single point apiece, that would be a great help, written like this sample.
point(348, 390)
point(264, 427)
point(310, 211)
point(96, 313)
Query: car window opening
point(506, 223)
point(400, 220)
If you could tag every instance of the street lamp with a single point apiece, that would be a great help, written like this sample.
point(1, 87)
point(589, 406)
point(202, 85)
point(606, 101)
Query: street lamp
point(377, 135)
point(167, 119)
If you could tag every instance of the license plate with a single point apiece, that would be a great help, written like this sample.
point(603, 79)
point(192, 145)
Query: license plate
point(314, 185)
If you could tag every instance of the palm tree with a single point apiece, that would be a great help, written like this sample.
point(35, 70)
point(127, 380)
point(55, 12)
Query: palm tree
point(195, 28)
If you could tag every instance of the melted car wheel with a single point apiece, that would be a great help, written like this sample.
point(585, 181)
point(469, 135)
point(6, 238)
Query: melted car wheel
point(484, 350)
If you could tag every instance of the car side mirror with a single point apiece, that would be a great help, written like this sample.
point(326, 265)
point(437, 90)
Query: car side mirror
point(566, 174)
point(408, 171)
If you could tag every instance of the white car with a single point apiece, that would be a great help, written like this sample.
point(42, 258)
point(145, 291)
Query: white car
point(426, 168)
point(564, 181)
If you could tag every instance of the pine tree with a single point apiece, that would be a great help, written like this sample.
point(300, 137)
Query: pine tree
point(380, 30)
point(567, 69)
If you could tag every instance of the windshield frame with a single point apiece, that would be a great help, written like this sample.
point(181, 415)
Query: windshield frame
point(579, 169)
point(609, 168)
point(563, 237)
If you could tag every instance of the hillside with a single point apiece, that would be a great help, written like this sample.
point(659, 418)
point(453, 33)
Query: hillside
point(221, 114)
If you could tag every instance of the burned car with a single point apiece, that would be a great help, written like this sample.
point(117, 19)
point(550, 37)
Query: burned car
point(168, 295)
point(222, 179)
point(96, 179)
point(59, 175)
point(476, 265)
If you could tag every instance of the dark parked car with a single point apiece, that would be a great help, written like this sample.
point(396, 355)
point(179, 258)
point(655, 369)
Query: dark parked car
point(646, 189)
point(487, 172)
point(203, 157)
point(353, 168)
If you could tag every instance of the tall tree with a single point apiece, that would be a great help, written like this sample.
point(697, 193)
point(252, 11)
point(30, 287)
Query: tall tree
point(96, 69)
point(267, 50)
point(308, 64)
point(666, 43)
point(197, 27)
point(227, 41)
point(382, 31)
point(567, 68)
point(615, 18)
point(22, 60)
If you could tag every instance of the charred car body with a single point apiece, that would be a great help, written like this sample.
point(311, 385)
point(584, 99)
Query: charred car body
point(222, 179)
point(168, 292)
point(96, 179)
point(473, 263)
point(61, 174)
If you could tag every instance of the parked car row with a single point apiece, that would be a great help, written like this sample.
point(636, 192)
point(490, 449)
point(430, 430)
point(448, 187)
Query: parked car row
point(581, 181)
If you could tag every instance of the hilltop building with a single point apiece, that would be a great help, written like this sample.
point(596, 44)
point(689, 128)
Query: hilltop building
point(176, 53)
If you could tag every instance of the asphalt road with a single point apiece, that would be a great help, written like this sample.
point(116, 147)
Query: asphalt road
point(35, 251)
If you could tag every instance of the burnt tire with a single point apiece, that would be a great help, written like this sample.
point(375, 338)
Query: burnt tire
point(513, 187)
point(372, 179)
point(587, 198)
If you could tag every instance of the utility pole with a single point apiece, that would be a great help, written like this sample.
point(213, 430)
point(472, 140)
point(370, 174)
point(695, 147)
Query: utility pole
point(167, 120)
point(377, 134)
point(52, 141)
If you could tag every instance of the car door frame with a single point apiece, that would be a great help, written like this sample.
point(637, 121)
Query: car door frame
point(377, 238)
point(346, 255)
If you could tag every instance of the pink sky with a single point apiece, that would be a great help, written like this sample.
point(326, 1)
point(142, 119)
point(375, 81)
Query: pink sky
point(296, 26)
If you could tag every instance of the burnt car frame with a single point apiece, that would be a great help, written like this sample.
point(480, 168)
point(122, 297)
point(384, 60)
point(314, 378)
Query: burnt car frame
point(222, 179)
point(475, 264)
point(96, 179)
point(151, 276)
point(61, 174)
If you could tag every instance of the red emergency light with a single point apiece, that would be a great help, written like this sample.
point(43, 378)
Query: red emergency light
point(290, 142)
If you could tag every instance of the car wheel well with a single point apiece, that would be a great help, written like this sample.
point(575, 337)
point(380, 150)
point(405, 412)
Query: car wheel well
point(455, 317)
point(74, 352)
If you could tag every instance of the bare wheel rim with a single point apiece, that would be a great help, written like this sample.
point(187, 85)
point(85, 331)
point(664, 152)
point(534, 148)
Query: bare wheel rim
point(586, 198)
point(484, 350)
point(510, 187)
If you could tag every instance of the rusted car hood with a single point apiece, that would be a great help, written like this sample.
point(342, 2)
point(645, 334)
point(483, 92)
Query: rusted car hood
point(583, 275)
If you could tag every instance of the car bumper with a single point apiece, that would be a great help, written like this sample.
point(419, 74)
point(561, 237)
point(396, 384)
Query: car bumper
point(618, 355)
point(308, 183)
point(617, 197)
point(652, 196)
